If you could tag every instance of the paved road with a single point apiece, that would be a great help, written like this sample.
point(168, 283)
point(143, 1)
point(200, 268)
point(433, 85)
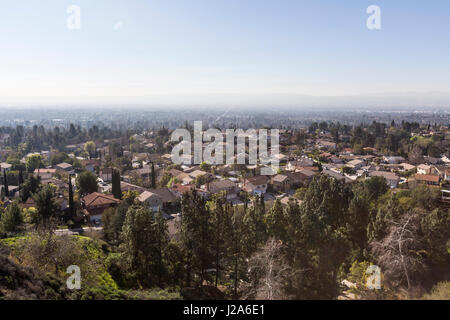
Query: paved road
point(77, 230)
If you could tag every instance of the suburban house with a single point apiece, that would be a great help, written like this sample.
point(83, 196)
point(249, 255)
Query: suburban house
point(90, 165)
point(5, 166)
point(393, 159)
point(106, 174)
point(299, 164)
point(423, 169)
point(281, 182)
point(45, 174)
point(256, 185)
point(327, 145)
point(306, 175)
point(406, 166)
point(336, 175)
point(64, 167)
point(428, 179)
point(167, 197)
point(356, 164)
point(95, 204)
point(179, 189)
point(447, 175)
point(125, 187)
point(225, 185)
point(151, 200)
point(392, 179)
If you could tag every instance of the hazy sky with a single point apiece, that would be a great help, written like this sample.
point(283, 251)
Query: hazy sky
point(223, 51)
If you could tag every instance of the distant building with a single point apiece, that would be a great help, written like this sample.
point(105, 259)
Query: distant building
point(392, 179)
point(432, 180)
point(423, 169)
point(256, 185)
point(5, 166)
point(227, 186)
point(95, 204)
point(393, 159)
point(151, 200)
point(64, 167)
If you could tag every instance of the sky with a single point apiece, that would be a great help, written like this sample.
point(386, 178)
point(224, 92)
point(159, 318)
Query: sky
point(217, 52)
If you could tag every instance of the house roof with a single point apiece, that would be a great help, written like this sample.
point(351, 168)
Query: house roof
point(426, 177)
point(386, 174)
point(144, 196)
point(165, 194)
point(99, 199)
point(280, 178)
point(182, 188)
point(355, 162)
point(219, 185)
point(306, 172)
point(64, 165)
point(5, 165)
point(258, 180)
point(175, 172)
point(42, 171)
point(197, 173)
point(336, 175)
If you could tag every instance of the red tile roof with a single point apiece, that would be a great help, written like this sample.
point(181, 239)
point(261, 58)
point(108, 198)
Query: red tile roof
point(99, 199)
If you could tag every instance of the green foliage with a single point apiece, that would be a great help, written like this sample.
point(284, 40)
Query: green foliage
point(86, 183)
point(33, 162)
point(116, 190)
point(46, 205)
point(90, 148)
point(11, 219)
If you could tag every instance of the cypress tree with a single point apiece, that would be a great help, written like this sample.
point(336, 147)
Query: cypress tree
point(116, 191)
point(20, 178)
point(153, 176)
point(71, 205)
point(5, 182)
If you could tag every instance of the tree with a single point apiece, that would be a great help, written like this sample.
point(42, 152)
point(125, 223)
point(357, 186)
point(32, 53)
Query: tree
point(220, 223)
point(5, 183)
point(46, 205)
point(11, 219)
point(33, 162)
point(30, 186)
point(113, 219)
point(268, 273)
point(415, 156)
point(276, 221)
point(87, 183)
point(153, 176)
point(116, 190)
point(237, 250)
point(90, 148)
point(399, 252)
point(205, 166)
point(144, 240)
point(195, 235)
point(20, 178)
point(71, 203)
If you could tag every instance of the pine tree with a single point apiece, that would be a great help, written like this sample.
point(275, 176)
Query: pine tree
point(11, 219)
point(195, 235)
